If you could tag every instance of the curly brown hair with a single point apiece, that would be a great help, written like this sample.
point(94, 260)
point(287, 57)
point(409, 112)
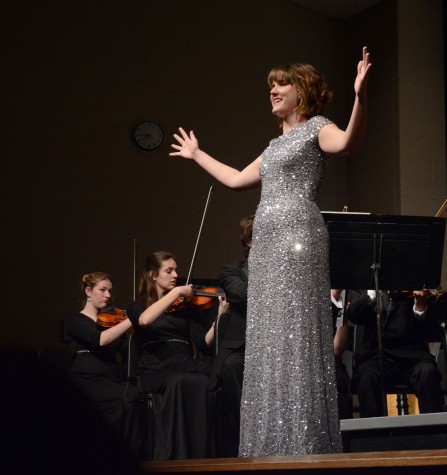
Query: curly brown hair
point(313, 90)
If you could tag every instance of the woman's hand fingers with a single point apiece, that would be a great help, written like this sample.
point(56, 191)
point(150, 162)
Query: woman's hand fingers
point(184, 134)
point(186, 146)
point(178, 138)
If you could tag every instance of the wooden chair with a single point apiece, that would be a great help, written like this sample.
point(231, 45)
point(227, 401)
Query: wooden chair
point(400, 390)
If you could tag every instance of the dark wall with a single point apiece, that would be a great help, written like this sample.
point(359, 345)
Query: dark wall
point(373, 181)
point(78, 75)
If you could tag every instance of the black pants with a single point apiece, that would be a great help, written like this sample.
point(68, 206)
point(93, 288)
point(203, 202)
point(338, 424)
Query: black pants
point(344, 396)
point(229, 404)
point(421, 375)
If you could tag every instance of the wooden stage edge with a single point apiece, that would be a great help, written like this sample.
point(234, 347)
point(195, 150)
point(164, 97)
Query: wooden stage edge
point(407, 462)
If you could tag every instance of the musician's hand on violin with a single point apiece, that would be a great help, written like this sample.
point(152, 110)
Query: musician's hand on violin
point(182, 294)
point(187, 145)
point(224, 306)
point(184, 291)
point(420, 300)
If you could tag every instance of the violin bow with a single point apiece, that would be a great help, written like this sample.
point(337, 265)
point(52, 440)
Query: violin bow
point(441, 209)
point(199, 234)
point(134, 267)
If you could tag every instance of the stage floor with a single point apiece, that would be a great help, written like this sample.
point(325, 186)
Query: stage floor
point(393, 445)
point(421, 462)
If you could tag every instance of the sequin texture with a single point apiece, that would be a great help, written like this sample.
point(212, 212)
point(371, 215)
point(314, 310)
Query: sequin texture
point(289, 399)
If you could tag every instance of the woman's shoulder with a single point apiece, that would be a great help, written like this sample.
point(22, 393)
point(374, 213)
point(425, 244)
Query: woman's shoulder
point(319, 121)
point(77, 324)
point(78, 316)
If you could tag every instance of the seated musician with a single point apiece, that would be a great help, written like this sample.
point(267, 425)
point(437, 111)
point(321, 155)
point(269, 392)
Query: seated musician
point(406, 322)
point(170, 336)
point(228, 368)
point(94, 368)
point(341, 340)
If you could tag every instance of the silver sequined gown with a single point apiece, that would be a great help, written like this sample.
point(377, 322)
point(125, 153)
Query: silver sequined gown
point(289, 399)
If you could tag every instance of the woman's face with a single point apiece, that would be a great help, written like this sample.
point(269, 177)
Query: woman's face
point(101, 294)
point(284, 99)
point(166, 279)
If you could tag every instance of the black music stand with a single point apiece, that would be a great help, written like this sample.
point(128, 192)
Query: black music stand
point(384, 253)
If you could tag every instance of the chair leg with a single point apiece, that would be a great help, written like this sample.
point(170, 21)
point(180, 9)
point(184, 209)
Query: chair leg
point(402, 404)
point(150, 427)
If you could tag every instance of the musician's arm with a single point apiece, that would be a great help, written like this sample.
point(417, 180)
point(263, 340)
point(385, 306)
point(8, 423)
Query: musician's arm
point(361, 307)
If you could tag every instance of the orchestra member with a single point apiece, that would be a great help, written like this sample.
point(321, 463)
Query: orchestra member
point(170, 338)
point(229, 364)
point(406, 357)
point(95, 369)
point(341, 341)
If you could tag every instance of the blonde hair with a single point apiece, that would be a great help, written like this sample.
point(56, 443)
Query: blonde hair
point(90, 280)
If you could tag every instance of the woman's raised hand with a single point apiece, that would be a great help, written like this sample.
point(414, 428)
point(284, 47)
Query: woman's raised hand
point(363, 68)
point(187, 145)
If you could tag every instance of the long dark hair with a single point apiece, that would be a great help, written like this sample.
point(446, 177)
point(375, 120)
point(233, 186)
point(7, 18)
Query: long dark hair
point(147, 291)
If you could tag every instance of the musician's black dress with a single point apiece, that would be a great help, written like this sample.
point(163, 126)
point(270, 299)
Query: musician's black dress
point(168, 370)
point(95, 371)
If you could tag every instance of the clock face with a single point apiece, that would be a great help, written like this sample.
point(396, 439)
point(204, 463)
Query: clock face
point(148, 135)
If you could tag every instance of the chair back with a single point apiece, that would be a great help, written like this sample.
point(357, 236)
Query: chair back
point(441, 360)
point(134, 352)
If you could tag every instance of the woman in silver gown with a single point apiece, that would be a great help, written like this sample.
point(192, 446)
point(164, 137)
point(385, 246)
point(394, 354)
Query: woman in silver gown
point(289, 398)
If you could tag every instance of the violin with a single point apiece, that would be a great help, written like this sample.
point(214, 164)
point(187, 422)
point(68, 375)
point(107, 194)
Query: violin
point(110, 316)
point(437, 294)
point(201, 299)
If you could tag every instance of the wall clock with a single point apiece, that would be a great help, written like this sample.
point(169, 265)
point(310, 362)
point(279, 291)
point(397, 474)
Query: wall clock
point(148, 135)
